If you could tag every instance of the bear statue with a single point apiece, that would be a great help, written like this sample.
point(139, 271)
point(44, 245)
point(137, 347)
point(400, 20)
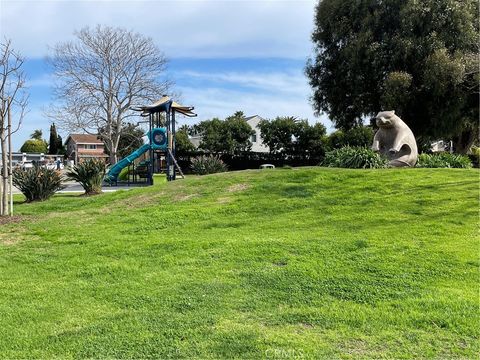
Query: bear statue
point(395, 140)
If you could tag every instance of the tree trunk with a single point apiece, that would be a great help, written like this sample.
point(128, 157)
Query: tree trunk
point(4, 173)
point(1, 194)
point(112, 158)
point(464, 141)
point(112, 152)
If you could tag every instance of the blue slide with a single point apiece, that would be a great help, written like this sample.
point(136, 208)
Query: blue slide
point(117, 168)
point(158, 141)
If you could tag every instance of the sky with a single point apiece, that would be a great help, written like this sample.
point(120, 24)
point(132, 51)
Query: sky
point(224, 55)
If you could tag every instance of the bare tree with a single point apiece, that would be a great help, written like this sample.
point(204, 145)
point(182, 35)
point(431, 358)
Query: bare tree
point(13, 99)
point(100, 76)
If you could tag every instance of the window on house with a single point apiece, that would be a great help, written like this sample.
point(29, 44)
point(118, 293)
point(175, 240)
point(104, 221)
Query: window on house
point(253, 139)
point(91, 147)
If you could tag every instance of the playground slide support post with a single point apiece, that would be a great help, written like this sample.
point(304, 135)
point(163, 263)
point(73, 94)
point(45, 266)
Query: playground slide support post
point(150, 151)
point(173, 142)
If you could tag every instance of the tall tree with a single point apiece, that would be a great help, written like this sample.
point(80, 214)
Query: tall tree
point(36, 143)
point(34, 146)
point(183, 145)
point(60, 147)
point(278, 134)
point(417, 57)
point(53, 141)
point(103, 74)
point(293, 139)
point(37, 134)
point(230, 137)
point(13, 102)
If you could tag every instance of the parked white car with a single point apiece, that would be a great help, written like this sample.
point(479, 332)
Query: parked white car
point(25, 165)
point(53, 166)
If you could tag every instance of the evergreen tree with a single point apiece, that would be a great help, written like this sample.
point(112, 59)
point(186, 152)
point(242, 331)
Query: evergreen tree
point(60, 148)
point(419, 58)
point(53, 142)
point(37, 134)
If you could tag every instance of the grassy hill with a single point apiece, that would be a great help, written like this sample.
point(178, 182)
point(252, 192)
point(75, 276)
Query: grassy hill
point(289, 263)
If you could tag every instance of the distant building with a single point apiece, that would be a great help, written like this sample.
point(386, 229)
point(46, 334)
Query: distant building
point(84, 146)
point(256, 139)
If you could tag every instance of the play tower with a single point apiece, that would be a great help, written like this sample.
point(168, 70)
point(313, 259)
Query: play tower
point(161, 139)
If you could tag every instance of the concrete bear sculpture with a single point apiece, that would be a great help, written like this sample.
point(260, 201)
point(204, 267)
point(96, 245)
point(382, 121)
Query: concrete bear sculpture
point(395, 140)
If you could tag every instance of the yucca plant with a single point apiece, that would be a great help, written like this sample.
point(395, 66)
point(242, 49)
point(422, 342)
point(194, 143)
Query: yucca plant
point(37, 183)
point(354, 158)
point(203, 165)
point(89, 174)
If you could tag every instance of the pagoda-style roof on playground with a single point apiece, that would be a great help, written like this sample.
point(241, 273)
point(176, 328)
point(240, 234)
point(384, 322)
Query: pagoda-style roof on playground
point(164, 105)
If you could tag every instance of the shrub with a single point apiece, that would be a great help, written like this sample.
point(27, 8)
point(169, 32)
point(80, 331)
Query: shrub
point(359, 136)
point(354, 158)
point(203, 165)
point(34, 146)
point(89, 174)
point(444, 160)
point(37, 183)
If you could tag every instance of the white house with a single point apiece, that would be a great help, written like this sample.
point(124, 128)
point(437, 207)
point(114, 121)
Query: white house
point(256, 139)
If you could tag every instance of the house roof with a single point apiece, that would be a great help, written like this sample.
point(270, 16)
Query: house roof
point(84, 139)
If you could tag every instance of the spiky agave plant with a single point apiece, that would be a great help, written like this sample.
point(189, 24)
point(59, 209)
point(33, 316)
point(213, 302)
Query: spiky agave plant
point(37, 183)
point(89, 174)
point(203, 165)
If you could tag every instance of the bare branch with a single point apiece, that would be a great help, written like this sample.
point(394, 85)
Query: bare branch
point(100, 76)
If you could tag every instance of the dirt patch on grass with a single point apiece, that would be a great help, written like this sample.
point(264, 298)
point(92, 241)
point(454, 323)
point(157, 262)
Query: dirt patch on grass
point(11, 219)
point(8, 241)
point(136, 201)
point(306, 326)
point(224, 200)
point(356, 347)
point(183, 197)
point(238, 187)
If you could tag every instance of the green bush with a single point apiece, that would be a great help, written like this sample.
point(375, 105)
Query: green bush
point(37, 183)
point(359, 136)
point(89, 174)
point(34, 146)
point(203, 165)
point(354, 158)
point(444, 160)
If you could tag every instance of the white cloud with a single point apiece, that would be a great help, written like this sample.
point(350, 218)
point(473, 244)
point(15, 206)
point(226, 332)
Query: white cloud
point(284, 82)
point(219, 102)
point(269, 95)
point(43, 80)
point(180, 28)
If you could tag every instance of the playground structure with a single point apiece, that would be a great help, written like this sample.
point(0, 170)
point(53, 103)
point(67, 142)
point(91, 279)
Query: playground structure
point(161, 140)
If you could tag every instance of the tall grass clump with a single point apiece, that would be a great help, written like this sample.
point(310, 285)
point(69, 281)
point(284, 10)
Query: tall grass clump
point(444, 160)
point(37, 183)
point(203, 165)
point(89, 174)
point(354, 158)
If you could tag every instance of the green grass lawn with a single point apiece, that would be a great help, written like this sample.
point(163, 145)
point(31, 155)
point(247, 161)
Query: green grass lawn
point(285, 263)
